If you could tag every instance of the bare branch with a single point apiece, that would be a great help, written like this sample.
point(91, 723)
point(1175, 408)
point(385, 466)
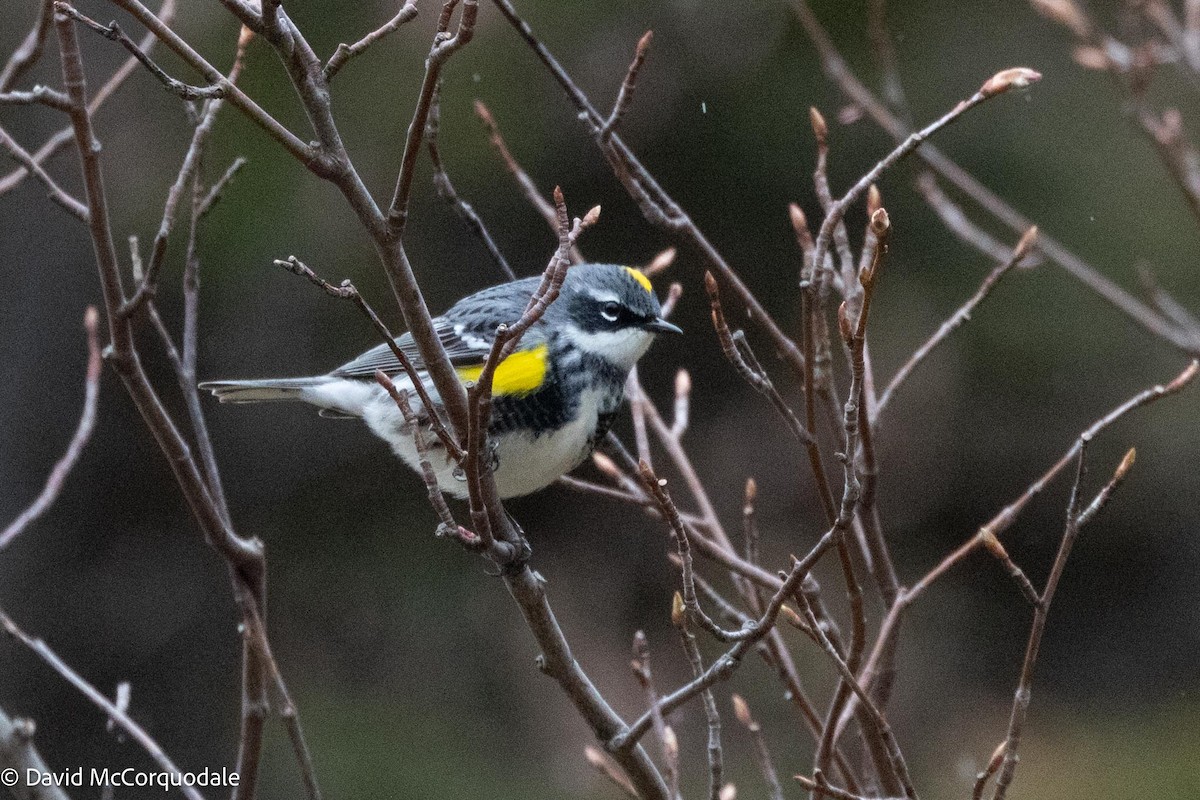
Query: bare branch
point(1023, 248)
point(55, 192)
point(441, 181)
point(83, 432)
point(113, 32)
point(30, 50)
point(625, 95)
point(345, 52)
point(62, 137)
point(1076, 519)
point(119, 717)
point(347, 291)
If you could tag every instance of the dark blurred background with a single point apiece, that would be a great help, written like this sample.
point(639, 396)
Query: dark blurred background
point(410, 665)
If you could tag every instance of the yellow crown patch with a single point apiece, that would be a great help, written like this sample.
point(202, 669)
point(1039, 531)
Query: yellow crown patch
point(520, 374)
point(641, 278)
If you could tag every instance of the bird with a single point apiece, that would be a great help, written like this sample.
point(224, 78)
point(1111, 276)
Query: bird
point(554, 397)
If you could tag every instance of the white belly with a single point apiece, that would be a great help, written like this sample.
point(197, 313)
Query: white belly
point(524, 463)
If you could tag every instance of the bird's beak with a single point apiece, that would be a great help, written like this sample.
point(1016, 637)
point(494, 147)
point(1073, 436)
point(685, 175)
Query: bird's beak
point(660, 325)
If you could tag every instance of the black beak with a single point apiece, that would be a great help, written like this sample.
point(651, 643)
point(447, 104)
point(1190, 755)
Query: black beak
point(660, 325)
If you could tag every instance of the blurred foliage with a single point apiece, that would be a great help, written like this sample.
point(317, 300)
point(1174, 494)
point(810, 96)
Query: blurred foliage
point(410, 665)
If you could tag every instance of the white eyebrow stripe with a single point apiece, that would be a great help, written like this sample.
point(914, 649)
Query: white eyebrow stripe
point(604, 297)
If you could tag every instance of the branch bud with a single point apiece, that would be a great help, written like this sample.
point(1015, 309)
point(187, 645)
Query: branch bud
point(742, 711)
point(728, 792)
point(1091, 58)
point(791, 617)
point(881, 223)
point(844, 327)
point(1027, 243)
point(992, 543)
point(683, 383)
point(591, 217)
point(710, 286)
point(677, 609)
point(1066, 13)
point(997, 756)
point(800, 226)
point(820, 129)
point(660, 262)
point(1014, 78)
point(751, 491)
point(874, 200)
point(670, 743)
point(1125, 465)
point(607, 466)
point(644, 43)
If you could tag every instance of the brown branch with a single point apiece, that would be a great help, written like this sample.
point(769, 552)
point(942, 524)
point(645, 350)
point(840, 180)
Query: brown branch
point(188, 170)
point(752, 373)
point(32, 166)
point(446, 190)
point(347, 291)
point(762, 753)
point(1076, 519)
point(658, 490)
point(30, 49)
point(1005, 518)
point(113, 32)
point(236, 97)
point(528, 188)
point(119, 717)
point(65, 135)
point(1023, 248)
point(625, 94)
point(656, 205)
point(345, 52)
point(436, 499)
point(838, 71)
point(83, 432)
point(670, 749)
point(712, 716)
point(445, 44)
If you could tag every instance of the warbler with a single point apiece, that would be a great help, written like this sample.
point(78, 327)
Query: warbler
point(554, 397)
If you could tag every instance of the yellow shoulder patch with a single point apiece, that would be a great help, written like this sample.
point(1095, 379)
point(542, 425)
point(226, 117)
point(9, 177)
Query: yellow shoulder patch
point(641, 278)
point(520, 374)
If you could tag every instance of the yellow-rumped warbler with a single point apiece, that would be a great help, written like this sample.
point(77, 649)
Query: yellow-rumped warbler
point(554, 397)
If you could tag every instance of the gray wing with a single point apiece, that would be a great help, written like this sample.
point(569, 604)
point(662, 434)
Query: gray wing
point(467, 331)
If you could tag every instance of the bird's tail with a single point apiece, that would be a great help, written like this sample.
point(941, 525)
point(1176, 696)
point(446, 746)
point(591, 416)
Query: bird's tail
point(269, 390)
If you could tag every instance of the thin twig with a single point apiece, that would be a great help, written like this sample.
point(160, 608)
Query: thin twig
point(345, 52)
point(625, 95)
point(114, 33)
point(528, 188)
point(347, 291)
point(838, 71)
point(445, 44)
point(31, 48)
point(670, 749)
point(83, 432)
point(712, 716)
point(1076, 519)
point(1024, 246)
point(52, 145)
point(55, 192)
point(762, 753)
point(441, 181)
point(122, 719)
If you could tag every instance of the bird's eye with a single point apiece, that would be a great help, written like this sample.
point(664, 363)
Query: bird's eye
point(611, 311)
